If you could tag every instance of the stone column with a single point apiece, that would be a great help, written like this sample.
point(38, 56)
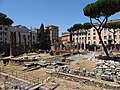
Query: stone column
point(14, 43)
point(31, 41)
point(11, 43)
point(19, 42)
point(25, 48)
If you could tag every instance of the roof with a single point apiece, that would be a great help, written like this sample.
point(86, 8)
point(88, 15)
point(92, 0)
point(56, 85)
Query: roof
point(19, 28)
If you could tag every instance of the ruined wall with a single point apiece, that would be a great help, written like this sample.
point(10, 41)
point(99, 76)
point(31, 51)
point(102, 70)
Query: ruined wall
point(87, 81)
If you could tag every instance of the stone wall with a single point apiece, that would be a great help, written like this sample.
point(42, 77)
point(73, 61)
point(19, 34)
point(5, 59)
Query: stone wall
point(87, 81)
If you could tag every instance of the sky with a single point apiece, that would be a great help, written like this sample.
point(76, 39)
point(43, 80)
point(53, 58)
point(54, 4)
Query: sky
point(62, 13)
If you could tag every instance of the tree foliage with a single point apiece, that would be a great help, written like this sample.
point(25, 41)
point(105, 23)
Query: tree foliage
point(4, 20)
point(43, 38)
point(102, 8)
point(77, 26)
point(71, 30)
point(87, 25)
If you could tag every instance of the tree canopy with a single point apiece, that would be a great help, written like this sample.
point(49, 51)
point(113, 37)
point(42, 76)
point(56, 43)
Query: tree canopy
point(87, 25)
point(102, 8)
point(4, 20)
point(43, 38)
point(77, 26)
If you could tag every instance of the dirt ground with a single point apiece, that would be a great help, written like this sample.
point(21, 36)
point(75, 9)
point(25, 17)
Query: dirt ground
point(69, 85)
point(87, 64)
point(1, 84)
point(40, 74)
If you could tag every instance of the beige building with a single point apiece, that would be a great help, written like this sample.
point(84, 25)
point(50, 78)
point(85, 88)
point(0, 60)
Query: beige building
point(93, 38)
point(54, 33)
point(65, 37)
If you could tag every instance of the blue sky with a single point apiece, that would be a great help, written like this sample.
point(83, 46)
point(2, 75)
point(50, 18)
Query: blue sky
point(63, 13)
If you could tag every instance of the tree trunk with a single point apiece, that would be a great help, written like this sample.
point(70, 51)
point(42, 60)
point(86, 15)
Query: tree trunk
point(105, 49)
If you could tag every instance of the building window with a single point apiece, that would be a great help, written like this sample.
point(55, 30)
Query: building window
point(0, 33)
point(0, 38)
point(33, 37)
point(28, 37)
point(5, 33)
point(93, 30)
point(88, 38)
point(23, 36)
point(110, 37)
point(5, 38)
point(105, 42)
point(28, 42)
point(94, 33)
point(105, 37)
point(80, 38)
point(99, 42)
point(115, 37)
point(94, 42)
point(6, 29)
point(94, 38)
point(88, 33)
point(88, 42)
point(88, 30)
point(76, 38)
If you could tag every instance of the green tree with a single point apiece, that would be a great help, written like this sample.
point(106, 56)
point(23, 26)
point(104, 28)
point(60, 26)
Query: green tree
point(71, 30)
point(41, 37)
point(104, 9)
point(114, 26)
point(5, 21)
point(48, 42)
point(86, 26)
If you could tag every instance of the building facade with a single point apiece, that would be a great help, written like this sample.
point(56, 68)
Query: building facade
point(65, 37)
point(17, 36)
point(54, 33)
point(93, 38)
